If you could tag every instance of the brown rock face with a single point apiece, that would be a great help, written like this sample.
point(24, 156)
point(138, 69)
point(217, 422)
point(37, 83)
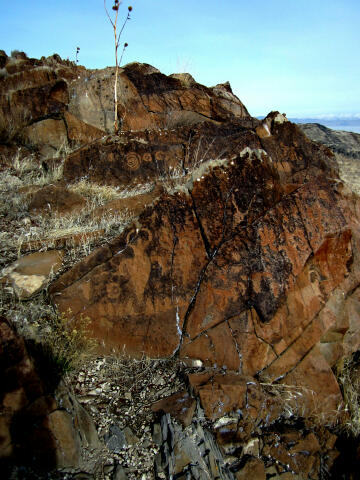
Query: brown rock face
point(139, 157)
point(34, 99)
point(180, 406)
point(55, 199)
point(148, 99)
point(50, 103)
point(238, 267)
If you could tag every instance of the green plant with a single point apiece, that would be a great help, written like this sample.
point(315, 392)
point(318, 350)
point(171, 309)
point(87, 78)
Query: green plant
point(117, 36)
point(57, 342)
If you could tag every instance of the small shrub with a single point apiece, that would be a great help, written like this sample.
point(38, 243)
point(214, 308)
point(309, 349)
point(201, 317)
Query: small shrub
point(67, 343)
point(12, 126)
point(293, 399)
point(56, 343)
point(59, 346)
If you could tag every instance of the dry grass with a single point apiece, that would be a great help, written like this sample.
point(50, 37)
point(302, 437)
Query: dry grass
point(174, 179)
point(348, 374)
point(101, 194)
point(23, 176)
point(80, 222)
point(25, 171)
point(292, 398)
point(12, 127)
point(21, 228)
point(298, 402)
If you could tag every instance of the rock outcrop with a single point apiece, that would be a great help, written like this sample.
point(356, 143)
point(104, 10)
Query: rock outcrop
point(134, 158)
point(51, 103)
point(240, 263)
point(195, 452)
point(34, 105)
point(242, 266)
point(149, 99)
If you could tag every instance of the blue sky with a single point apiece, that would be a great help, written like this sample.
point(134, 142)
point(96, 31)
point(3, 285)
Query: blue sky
point(299, 57)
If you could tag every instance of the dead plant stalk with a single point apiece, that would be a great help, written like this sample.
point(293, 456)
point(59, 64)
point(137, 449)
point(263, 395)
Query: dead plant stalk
point(117, 36)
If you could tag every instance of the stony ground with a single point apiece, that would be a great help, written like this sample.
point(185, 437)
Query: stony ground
point(118, 392)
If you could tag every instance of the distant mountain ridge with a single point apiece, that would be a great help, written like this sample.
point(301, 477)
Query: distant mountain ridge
point(336, 122)
point(328, 119)
point(345, 143)
point(340, 122)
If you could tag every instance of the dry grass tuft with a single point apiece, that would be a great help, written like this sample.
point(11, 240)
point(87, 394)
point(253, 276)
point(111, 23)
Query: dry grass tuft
point(299, 402)
point(26, 171)
point(12, 126)
point(348, 374)
point(20, 228)
point(80, 222)
point(291, 398)
point(99, 195)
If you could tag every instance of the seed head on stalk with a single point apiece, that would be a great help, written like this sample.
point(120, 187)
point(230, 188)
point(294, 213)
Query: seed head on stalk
point(117, 36)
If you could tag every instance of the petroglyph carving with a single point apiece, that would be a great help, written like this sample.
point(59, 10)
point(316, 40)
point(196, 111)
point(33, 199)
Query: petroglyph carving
point(147, 157)
point(160, 156)
point(133, 161)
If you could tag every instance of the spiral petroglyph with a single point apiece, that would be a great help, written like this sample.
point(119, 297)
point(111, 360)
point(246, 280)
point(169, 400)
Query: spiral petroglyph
point(147, 157)
point(160, 156)
point(133, 161)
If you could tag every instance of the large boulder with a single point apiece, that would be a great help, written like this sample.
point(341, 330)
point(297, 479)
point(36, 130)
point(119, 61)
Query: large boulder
point(239, 267)
point(34, 98)
point(52, 103)
point(148, 99)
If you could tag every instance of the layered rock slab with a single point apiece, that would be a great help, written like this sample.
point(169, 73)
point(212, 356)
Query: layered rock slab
point(30, 273)
point(236, 267)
